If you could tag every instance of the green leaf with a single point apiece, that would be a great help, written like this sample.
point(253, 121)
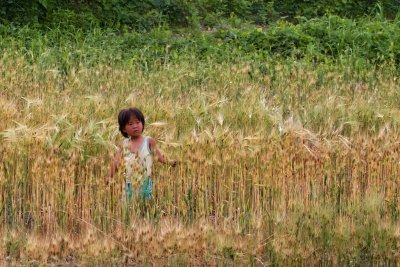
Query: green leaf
point(44, 3)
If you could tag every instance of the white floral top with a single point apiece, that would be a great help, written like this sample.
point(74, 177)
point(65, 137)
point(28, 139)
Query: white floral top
point(137, 165)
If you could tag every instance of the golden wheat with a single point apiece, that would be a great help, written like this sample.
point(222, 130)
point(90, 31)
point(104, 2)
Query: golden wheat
point(266, 164)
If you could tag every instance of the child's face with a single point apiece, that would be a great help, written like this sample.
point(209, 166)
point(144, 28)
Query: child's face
point(134, 127)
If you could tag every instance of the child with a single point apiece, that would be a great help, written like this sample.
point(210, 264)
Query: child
point(136, 152)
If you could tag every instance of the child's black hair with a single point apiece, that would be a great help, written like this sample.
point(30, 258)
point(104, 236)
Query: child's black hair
point(125, 115)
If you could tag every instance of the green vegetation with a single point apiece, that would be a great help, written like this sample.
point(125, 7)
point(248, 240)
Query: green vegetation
point(147, 14)
point(326, 39)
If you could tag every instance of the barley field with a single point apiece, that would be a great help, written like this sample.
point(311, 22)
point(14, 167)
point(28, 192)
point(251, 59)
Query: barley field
point(280, 162)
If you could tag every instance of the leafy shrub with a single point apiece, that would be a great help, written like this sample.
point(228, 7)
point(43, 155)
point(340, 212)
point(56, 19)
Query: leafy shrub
point(144, 15)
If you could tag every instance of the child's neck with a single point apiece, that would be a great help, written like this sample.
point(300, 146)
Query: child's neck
point(135, 138)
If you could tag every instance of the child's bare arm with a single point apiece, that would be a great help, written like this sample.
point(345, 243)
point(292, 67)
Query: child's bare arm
point(114, 164)
point(161, 158)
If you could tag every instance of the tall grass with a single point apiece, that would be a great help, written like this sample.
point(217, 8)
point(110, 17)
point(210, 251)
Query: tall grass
point(279, 159)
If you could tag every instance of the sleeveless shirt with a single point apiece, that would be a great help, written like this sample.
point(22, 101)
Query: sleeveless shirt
point(137, 165)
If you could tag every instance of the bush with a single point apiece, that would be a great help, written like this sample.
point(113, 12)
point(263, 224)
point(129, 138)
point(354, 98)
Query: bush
point(145, 15)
